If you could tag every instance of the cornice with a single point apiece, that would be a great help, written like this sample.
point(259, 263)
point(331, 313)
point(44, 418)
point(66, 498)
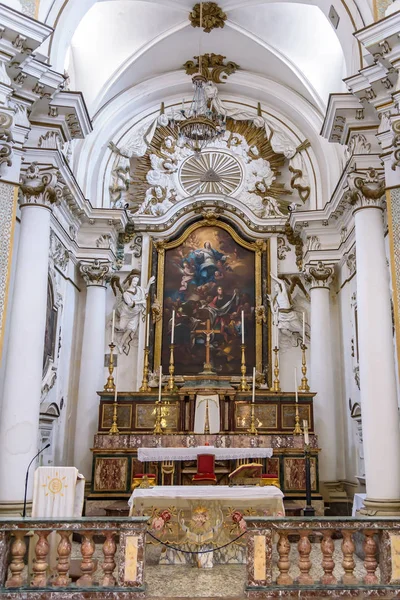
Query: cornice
point(34, 31)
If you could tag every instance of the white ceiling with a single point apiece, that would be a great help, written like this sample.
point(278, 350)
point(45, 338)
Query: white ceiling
point(120, 43)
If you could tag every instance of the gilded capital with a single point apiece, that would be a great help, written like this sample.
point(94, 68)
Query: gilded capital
point(319, 275)
point(366, 190)
point(96, 271)
point(42, 185)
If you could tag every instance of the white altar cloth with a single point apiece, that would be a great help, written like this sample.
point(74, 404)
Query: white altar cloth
point(207, 492)
point(160, 454)
point(358, 503)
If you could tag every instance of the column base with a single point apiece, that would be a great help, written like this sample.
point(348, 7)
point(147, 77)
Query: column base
point(14, 509)
point(380, 508)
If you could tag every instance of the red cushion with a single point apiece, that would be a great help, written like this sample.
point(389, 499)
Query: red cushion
point(205, 463)
point(269, 476)
point(204, 477)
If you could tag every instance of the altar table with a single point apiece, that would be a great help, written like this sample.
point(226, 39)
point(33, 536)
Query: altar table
point(199, 518)
point(160, 454)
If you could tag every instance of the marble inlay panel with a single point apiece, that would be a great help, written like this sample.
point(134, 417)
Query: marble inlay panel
point(259, 557)
point(8, 203)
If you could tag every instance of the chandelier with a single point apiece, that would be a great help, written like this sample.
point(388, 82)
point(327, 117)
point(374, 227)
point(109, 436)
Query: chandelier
point(200, 125)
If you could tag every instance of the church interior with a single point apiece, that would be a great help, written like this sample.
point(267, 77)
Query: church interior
point(199, 299)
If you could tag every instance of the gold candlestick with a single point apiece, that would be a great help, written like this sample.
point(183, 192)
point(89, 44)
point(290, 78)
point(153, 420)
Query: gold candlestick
point(243, 387)
point(114, 428)
point(207, 420)
point(297, 428)
point(171, 387)
point(145, 381)
point(110, 384)
point(304, 387)
point(276, 387)
point(253, 428)
point(157, 425)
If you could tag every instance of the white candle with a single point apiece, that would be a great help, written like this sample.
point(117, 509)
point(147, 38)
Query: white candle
point(159, 384)
point(242, 326)
point(253, 398)
point(183, 105)
point(305, 428)
point(295, 384)
point(304, 329)
point(113, 327)
point(147, 330)
point(173, 327)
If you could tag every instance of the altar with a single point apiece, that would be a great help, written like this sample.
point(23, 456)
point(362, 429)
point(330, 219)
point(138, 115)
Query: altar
point(200, 518)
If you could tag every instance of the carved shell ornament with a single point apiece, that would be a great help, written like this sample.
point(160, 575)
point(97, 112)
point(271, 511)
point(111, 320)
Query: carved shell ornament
point(211, 172)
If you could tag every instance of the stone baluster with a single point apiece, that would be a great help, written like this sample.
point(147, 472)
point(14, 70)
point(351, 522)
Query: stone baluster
point(63, 558)
point(328, 564)
point(370, 562)
point(40, 565)
point(348, 563)
point(304, 549)
point(283, 548)
point(18, 550)
point(87, 564)
point(109, 549)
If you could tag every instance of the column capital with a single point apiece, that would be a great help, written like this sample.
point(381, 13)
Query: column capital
point(319, 275)
point(366, 189)
point(41, 185)
point(6, 136)
point(96, 271)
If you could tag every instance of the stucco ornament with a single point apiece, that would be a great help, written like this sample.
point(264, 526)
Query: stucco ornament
point(288, 301)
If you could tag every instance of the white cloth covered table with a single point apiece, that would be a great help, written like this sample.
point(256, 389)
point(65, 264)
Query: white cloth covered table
point(358, 503)
point(160, 454)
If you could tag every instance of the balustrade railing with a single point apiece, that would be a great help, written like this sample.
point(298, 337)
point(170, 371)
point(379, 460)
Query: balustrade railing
point(289, 557)
point(110, 555)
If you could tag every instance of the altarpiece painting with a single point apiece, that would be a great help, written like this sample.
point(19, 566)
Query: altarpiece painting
point(209, 275)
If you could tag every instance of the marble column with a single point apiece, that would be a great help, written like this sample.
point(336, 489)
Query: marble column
point(96, 274)
point(321, 368)
point(379, 407)
point(19, 420)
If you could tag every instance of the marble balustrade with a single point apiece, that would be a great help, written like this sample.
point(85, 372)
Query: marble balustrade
point(282, 556)
point(118, 537)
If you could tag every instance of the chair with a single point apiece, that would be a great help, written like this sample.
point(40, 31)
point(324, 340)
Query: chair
point(205, 470)
point(270, 478)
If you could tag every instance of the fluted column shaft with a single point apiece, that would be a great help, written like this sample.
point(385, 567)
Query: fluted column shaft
point(19, 420)
point(91, 379)
point(380, 419)
point(321, 369)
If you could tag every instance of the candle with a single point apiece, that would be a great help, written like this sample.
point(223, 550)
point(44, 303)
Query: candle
point(159, 384)
point(305, 427)
point(295, 384)
point(173, 327)
point(113, 327)
point(116, 386)
point(254, 385)
point(304, 329)
point(242, 326)
point(183, 105)
point(148, 330)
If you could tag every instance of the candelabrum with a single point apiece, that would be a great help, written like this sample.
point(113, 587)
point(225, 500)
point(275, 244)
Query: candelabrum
point(304, 387)
point(158, 430)
point(243, 387)
point(309, 510)
point(171, 387)
point(276, 387)
point(207, 420)
point(297, 428)
point(145, 381)
point(253, 428)
point(110, 384)
point(114, 428)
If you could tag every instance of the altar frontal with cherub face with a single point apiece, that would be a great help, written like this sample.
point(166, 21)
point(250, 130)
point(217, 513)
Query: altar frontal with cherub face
point(211, 277)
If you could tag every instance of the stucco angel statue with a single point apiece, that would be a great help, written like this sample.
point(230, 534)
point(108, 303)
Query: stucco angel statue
point(288, 319)
point(130, 307)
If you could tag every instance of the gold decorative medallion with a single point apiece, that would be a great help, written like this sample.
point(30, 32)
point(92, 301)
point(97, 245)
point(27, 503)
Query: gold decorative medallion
point(212, 67)
point(55, 485)
point(212, 16)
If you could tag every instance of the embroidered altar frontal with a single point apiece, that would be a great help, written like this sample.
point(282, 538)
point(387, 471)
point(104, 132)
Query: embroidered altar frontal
point(203, 518)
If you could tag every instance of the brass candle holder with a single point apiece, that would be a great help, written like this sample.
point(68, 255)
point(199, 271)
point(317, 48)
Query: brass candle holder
point(276, 387)
point(145, 381)
point(158, 430)
point(110, 383)
point(243, 386)
point(297, 428)
point(253, 429)
point(304, 387)
point(114, 428)
point(171, 387)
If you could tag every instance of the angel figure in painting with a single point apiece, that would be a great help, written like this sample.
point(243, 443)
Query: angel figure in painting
point(286, 316)
point(130, 307)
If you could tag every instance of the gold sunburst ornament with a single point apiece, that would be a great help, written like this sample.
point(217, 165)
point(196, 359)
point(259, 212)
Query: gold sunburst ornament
point(214, 172)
